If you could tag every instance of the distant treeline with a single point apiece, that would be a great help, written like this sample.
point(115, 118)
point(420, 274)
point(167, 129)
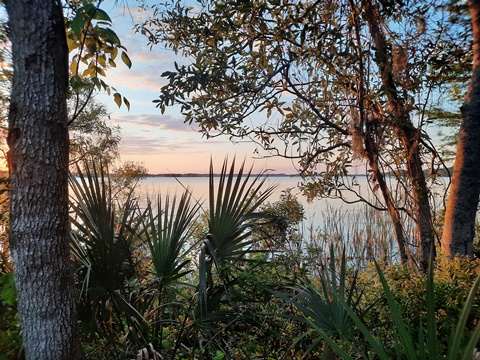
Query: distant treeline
point(216, 175)
point(440, 172)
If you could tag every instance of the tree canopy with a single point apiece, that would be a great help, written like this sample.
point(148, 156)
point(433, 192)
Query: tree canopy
point(330, 84)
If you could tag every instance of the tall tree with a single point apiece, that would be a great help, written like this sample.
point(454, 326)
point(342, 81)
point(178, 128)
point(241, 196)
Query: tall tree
point(340, 82)
point(38, 159)
point(462, 204)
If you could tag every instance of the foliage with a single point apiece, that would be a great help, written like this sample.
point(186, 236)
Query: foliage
point(102, 243)
point(125, 178)
point(166, 230)
point(169, 301)
point(281, 235)
point(452, 283)
point(91, 136)
point(146, 291)
point(227, 246)
point(284, 218)
point(95, 48)
point(10, 337)
point(415, 316)
point(331, 85)
point(324, 309)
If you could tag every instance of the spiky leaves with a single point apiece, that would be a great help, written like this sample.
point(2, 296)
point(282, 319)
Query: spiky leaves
point(102, 239)
point(233, 212)
point(311, 304)
point(166, 231)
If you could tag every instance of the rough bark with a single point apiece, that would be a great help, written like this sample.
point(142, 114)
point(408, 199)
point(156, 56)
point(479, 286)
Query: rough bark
point(38, 159)
point(459, 226)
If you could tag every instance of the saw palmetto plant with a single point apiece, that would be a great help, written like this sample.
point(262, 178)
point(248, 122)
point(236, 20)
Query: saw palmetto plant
point(102, 237)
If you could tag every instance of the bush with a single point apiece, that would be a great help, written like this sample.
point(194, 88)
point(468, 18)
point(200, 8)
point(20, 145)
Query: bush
point(10, 338)
point(453, 280)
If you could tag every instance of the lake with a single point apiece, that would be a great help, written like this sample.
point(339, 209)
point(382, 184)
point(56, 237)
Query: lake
point(314, 211)
point(363, 231)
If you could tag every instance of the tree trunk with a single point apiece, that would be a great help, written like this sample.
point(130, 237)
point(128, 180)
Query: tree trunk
point(459, 227)
point(371, 156)
point(422, 212)
point(38, 159)
point(371, 153)
point(406, 132)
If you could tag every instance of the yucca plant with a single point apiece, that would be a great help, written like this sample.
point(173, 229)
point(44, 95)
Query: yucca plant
point(101, 240)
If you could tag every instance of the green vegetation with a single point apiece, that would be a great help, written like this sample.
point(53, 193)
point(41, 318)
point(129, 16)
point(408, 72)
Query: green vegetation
point(234, 279)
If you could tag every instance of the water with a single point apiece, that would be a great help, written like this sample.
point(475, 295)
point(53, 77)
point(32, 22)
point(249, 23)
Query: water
point(363, 232)
point(314, 211)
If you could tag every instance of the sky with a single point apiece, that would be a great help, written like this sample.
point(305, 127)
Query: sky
point(163, 143)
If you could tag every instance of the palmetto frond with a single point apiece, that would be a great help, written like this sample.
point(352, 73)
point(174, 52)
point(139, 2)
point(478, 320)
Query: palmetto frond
point(233, 206)
point(233, 211)
point(166, 230)
point(101, 239)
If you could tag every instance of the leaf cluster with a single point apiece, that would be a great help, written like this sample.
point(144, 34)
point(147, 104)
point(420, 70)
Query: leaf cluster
point(95, 47)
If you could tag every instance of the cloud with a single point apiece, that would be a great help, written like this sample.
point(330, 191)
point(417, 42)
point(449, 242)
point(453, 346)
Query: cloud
point(136, 145)
point(161, 122)
point(138, 79)
point(141, 145)
point(156, 145)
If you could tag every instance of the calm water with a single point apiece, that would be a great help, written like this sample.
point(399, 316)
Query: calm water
point(314, 211)
point(326, 220)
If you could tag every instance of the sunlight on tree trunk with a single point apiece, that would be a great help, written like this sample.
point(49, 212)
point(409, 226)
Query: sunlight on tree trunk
point(459, 228)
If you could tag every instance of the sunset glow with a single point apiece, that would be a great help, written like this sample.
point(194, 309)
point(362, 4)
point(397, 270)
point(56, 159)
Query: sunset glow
point(164, 143)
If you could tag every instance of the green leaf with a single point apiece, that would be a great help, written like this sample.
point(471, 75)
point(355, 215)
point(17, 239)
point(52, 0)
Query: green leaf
point(431, 319)
point(126, 59)
point(101, 15)
point(97, 83)
point(118, 99)
point(89, 10)
point(457, 337)
point(108, 35)
point(8, 293)
point(396, 315)
point(77, 23)
point(76, 82)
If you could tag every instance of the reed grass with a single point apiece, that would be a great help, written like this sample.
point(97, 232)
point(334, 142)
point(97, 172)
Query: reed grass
point(365, 234)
